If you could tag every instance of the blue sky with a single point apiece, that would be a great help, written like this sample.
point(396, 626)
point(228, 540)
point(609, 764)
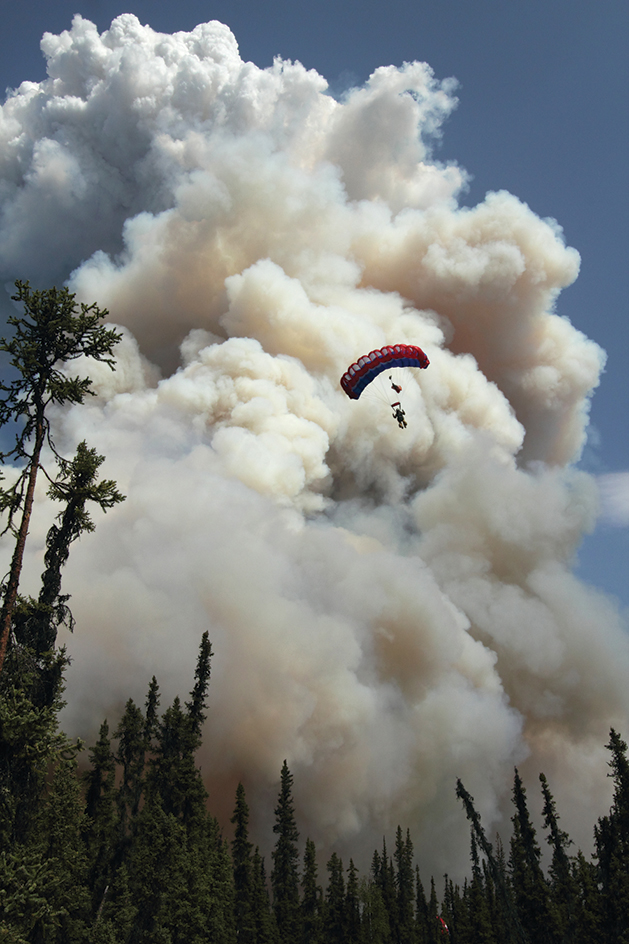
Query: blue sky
point(543, 112)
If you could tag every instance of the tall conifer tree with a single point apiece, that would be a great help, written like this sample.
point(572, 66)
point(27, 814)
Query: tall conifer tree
point(529, 885)
point(404, 881)
point(375, 919)
point(45, 868)
point(284, 876)
point(131, 758)
point(496, 869)
point(243, 874)
point(479, 913)
point(334, 911)
point(434, 930)
point(101, 833)
point(612, 848)
point(386, 882)
point(311, 898)
point(421, 909)
point(50, 333)
point(563, 898)
point(353, 928)
point(589, 912)
point(266, 927)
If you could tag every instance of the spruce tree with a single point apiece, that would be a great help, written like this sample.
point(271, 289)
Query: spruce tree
point(180, 873)
point(243, 877)
point(353, 928)
point(284, 876)
point(158, 862)
point(479, 912)
point(386, 882)
point(62, 824)
point(136, 734)
point(612, 848)
point(589, 916)
point(30, 743)
point(115, 917)
point(50, 333)
point(421, 910)
point(130, 757)
point(461, 927)
point(499, 884)
point(451, 909)
point(563, 889)
point(405, 891)
point(35, 622)
point(266, 927)
point(311, 898)
point(101, 833)
point(172, 773)
point(504, 897)
point(76, 485)
point(31, 685)
point(214, 876)
point(43, 893)
point(334, 911)
point(529, 885)
point(374, 919)
point(46, 869)
point(434, 929)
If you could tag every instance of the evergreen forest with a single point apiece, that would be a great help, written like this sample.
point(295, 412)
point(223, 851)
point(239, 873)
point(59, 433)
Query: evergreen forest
point(124, 850)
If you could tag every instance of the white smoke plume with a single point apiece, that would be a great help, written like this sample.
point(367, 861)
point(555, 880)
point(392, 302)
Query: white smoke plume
point(614, 489)
point(389, 609)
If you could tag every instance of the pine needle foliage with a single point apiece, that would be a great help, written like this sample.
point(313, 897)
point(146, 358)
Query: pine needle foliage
point(612, 848)
point(243, 871)
point(285, 876)
point(51, 332)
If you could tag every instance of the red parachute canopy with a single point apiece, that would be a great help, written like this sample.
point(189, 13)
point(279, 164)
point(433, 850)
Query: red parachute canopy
point(358, 375)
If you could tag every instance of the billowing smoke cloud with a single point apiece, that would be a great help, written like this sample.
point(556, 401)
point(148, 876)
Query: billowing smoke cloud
point(614, 489)
point(389, 609)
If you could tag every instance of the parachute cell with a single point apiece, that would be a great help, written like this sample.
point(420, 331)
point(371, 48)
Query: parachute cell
point(359, 375)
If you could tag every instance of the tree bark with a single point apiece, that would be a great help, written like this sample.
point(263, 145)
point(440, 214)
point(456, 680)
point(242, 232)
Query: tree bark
point(10, 595)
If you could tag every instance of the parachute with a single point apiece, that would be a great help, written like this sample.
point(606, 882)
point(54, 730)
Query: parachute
point(366, 368)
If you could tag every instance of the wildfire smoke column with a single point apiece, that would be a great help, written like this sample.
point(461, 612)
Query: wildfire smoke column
point(388, 612)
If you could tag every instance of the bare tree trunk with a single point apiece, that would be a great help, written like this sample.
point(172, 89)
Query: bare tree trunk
point(10, 595)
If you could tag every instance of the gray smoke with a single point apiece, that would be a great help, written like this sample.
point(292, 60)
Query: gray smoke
point(388, 609)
